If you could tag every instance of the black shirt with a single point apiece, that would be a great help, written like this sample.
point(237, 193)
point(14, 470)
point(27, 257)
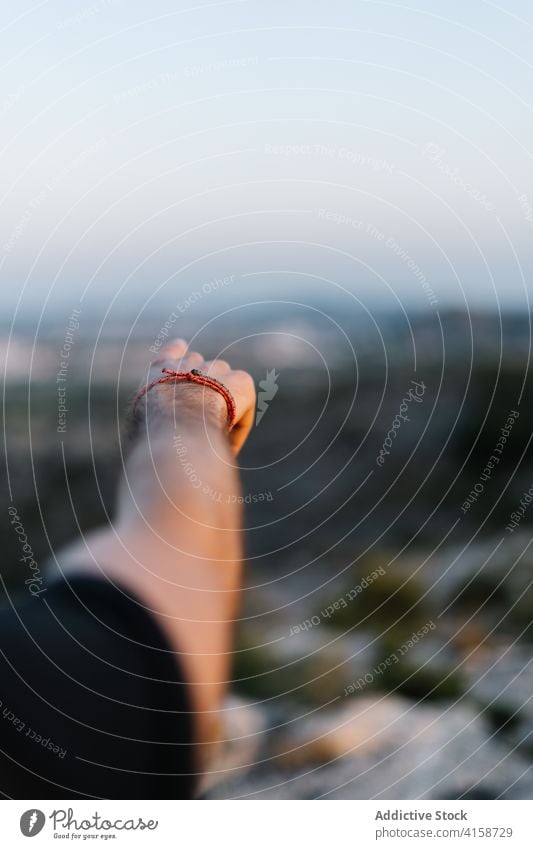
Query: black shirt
point(93, 703)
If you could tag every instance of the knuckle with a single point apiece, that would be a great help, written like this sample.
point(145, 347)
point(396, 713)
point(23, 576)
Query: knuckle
point(246, 378)
point(194, 356)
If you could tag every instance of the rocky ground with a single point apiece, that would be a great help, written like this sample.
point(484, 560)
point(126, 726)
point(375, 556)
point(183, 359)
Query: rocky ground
point(452, 719)
point(380, 746)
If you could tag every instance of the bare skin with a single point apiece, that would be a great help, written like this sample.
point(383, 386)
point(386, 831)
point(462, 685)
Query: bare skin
point(176, 540)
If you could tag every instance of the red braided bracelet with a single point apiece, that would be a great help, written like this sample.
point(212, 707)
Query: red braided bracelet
point(194, 376)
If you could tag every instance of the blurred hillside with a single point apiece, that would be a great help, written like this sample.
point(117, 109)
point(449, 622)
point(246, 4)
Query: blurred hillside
point(333, 517)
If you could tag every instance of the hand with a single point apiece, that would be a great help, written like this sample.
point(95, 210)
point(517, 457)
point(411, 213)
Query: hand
point(198, 401)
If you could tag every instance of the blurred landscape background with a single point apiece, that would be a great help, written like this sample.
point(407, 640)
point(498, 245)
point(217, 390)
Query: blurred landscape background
point(338, 197)
point(419, 682)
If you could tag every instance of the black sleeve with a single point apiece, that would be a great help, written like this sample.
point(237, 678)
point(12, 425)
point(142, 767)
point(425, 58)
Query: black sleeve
point(92, 699)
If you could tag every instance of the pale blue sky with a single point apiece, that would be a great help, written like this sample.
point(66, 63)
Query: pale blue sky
point(382, 147)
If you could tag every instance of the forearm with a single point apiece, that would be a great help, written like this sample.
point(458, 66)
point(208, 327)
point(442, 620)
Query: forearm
point(176, 540)
point(176, 543)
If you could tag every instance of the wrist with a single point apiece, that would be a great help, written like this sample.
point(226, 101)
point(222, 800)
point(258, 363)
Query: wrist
point(180, 456)
point(181, 405)
point(195, 403)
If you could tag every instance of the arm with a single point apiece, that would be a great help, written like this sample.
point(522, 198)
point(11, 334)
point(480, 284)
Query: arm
point(176, 541)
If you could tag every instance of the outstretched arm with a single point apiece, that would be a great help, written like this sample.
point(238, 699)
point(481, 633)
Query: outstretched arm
point(176, 541)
